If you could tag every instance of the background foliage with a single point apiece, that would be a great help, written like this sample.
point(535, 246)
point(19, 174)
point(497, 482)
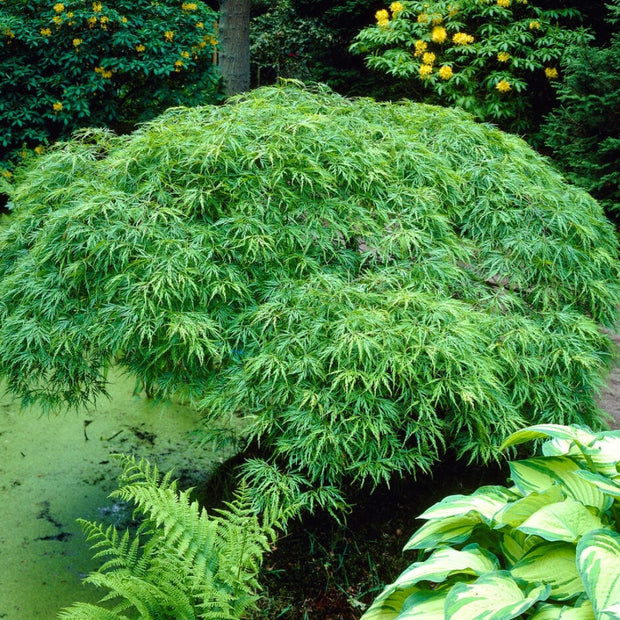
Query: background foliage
point(493, 58)
point(114, 63)
point(363, 284)
point(583, 131)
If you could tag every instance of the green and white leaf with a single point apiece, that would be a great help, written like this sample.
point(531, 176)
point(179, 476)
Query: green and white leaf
point(516, 512)
point(444, 562)
point(564, 612)
point(514, 545)
point(388, 605)
point(452, 530)
point(494, 596)
point(486, 501)
point(598, 561)
point(540, 473)
point(573, 433)
point(427, 604)
point(605, 484)
point(568, 521)
point(553, 564)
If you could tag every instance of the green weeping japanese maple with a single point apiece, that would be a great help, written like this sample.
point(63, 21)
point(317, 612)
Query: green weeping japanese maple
point(364, 284)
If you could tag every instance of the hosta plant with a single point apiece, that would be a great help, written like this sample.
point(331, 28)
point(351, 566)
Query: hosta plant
point(547, 547)
point(354, 285)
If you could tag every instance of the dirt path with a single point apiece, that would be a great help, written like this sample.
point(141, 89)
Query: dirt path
point(610, 396)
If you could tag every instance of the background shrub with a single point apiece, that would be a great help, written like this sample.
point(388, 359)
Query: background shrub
point(493, 58)
point(113, 63)
point(583, 132)
point(363, 284)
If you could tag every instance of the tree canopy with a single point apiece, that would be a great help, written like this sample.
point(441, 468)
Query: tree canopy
point(363, 283)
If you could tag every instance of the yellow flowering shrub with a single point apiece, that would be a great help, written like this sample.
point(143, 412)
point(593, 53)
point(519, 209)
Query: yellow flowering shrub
point(86, 57)
point(474, 40)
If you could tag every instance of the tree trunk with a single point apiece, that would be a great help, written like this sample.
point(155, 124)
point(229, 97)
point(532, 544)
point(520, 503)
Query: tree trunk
point(234, 45)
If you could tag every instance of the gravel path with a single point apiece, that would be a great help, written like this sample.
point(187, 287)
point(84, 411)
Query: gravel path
point(610, 396)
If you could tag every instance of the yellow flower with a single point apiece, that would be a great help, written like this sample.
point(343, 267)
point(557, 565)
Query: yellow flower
point(503, 86)
point(200, 25)
point(445, 72)
point(189, 6)
point(423, 18)
point(420, 47)
point(97, 8)
point(425, 71)
point(534, 25)
point(7, 173)
point(92, 21)
point(70, 14)
point(382, 17)
point(57, 106)
point(396, 7)
point(57, 20)
point(551, 73)
point(140, 48)
point(168, 35)
point(76, 42)
point(211, 41)
point(46, 32)
point(461, 38)
point(503, 57)
point(428, 58)
point(436, 19)
point(178, 65)
point(104, 20)
point(59, 7)
point(185, 54)
point(9, 33)
point(504, 3)
point(439, 34)
point(124, 20)
point(39, 150)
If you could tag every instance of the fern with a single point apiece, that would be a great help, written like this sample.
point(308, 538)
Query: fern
point(181, 563)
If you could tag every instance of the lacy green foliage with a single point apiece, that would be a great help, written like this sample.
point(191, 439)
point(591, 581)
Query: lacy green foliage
point(493, 58)
point(584, 131)
point(181, 563)
point(547, 547)
point(364, 284)
point(73, 64)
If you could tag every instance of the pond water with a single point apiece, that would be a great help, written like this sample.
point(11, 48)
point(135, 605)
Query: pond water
point(56, 469)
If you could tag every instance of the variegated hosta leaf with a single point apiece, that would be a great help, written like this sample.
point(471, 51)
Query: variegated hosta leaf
point(568, 520)
point(598, 561)
point(443, 562)
point(516, 512)
point(613, 612)
point(581, 434)
point(451, 530)
point(553, 564)
point(540, 473)
point(494, 596)
point(515, 544)
point(604, 453)
point(486, 501)
point(389, 604)
point(427, 604)
point(564, 612)
point(605, 484)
